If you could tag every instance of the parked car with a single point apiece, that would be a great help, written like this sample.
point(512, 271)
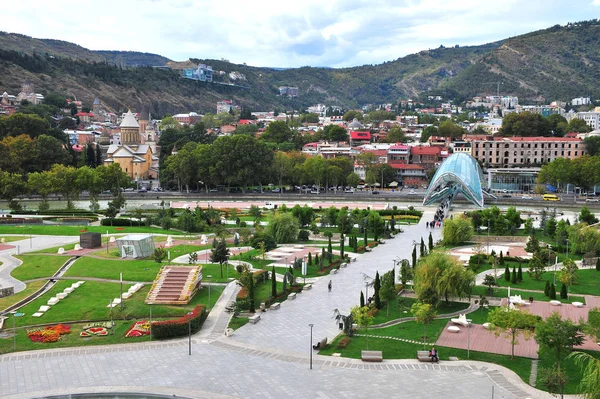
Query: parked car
point(527, 197)
point(412, 192)
point(314, 191)
point(349, 191)
point(592, 199)
point(375, 192)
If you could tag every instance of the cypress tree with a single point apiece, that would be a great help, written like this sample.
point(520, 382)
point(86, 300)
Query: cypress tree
point(552, 291)
point(422, 248)
point(355, 240)
point(366, 238)
point(251, 293)
point(274, 283)
point(414, 257)
point(362, 299)
point(342, 244)
point(563, 292)
point(98, 156)
point(547, 288)
point(376, 287)
point(309, 259)
point(520, 273)
point(506, 273)
point(501, 261)
point(329, 247)
point(514, 276)
point(430, 242)
point(598, 263)
point(316, 259)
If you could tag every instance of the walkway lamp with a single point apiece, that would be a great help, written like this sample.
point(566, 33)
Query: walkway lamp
point(190, 333)
point(311, 343)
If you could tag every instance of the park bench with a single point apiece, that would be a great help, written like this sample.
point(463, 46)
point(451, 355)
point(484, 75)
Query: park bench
point(321, 344)
point(254, 319)
point(371, 356)
point(423, 356)
point(275, 305)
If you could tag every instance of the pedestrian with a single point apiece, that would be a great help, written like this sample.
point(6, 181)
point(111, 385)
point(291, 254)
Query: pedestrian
point(329, 286)
point(433, 354)
point(427, 224)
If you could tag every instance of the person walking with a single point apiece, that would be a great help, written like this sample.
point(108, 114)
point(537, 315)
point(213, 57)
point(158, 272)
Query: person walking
point(329, 286)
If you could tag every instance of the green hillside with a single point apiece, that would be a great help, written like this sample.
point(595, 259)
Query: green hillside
point(558, 63)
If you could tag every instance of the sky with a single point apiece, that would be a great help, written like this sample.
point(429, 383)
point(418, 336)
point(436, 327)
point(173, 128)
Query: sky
point(287, 33)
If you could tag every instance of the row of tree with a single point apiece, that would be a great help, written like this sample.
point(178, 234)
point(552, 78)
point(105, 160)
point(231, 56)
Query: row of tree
point(583, 172)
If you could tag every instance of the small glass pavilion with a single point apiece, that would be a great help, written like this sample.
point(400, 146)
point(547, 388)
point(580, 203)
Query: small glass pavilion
point(136, 246)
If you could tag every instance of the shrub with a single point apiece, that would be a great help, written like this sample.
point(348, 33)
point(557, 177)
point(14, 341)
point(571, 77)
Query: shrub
point(179, 327)
point(121, 222)
point(372, 244)
point(303, 235)
point(360, 249)
point(263, 237)
point(343, 343)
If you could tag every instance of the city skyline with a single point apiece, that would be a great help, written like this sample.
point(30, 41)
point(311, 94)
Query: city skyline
point(308, 33)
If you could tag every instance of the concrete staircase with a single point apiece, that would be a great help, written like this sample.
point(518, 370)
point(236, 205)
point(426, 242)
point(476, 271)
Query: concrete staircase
point(175, 285)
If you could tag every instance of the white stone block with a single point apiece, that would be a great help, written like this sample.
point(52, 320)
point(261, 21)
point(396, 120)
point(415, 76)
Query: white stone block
point(38, 314)
point(61, 251)
point(53, 301)
point(77, 247)
point(68, 290)
point(43, 309)
point(62, 295)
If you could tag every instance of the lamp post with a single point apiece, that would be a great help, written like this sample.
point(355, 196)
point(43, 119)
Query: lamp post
point(107, 242)
point(14, 330)
point(311, 343)
point(488, 238)
point(150, 305)
point(209, 277)
point(121, 295)
point(30, 240)
point(468, 338)
point(112, 322)
point(190, 333)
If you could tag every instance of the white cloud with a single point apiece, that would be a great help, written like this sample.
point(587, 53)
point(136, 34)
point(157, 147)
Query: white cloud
point(286, 33)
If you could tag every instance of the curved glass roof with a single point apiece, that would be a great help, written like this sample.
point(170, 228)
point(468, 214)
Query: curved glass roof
point(458, 173)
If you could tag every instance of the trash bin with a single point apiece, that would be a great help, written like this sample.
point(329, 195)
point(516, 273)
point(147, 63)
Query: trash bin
point(530, 299)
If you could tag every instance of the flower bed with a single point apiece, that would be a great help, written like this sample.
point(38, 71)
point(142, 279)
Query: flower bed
point(138, 329)
point(179, 327)
point(48, 333)
point(95, 329)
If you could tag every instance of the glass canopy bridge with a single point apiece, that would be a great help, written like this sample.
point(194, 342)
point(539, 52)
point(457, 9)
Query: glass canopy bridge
point(459, 173)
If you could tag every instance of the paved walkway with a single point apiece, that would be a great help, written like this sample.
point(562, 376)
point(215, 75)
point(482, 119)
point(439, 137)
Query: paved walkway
point(265, 360)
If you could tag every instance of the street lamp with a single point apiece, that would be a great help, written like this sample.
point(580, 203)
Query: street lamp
point(30, 240)
point(311, 343)
point(209, 277)
point(468, 338)
point(190, 332)
point(112, 323)
point(14, 330)
point(150, 305)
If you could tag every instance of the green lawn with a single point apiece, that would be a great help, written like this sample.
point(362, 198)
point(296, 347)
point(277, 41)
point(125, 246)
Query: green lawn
point(90, 301)
point(537, 296)
point(8, 239)
point(30, 289)
point(237, 322)
point(401, 308)
point(588, 282)
point(36, 266)
point(54, 250)
point(253, 257)
point(133, 270)
point(548, 360)
point(45, 229)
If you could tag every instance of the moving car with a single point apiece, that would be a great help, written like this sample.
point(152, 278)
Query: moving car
point(374, 192)
point(527, 197)
point(592, 199)
point(412, 192)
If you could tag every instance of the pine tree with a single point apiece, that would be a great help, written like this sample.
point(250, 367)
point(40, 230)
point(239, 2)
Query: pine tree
point(563, 292)
point(501, 261)
point(366, 237)
point(362, 299)
point(274, 283)
point(513, 279)
point(90, 156)
point(598, 263)
point(423, 253)
point(376, 288)
point(310, 259)
point(520, 274)
point(547, 288)
point(316, 259)
point(98, 155)
point(506, 273)
point(414, 257)
point(552, 291)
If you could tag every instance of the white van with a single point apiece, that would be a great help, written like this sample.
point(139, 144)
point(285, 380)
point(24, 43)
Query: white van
point(270, 205)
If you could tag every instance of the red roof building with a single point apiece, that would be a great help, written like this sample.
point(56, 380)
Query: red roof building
point(359, 138)
point(426, 156)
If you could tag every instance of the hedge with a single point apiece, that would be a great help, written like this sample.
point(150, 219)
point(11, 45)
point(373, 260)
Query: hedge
point(399, 212)
point(180, 327)
point(122, 222)
point(58, 212)
point(11, 220)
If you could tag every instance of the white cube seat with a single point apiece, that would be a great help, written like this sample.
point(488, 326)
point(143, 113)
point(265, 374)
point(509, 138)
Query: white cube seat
point(38, 314)
point(68, 290)
point(62, 295)
point(43, 309)
point(53, 301)
point(126, 295)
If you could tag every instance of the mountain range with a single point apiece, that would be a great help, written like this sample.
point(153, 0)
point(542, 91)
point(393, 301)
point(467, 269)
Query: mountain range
point(558, 63)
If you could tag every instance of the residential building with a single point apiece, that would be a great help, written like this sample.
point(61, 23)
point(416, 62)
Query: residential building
point(398, 154)
point(516, 151)
point(427, 156)
point(203, 73)
point(359, 138)
point(410, 175)
point(28, 93)
point(288, 91)
point(226, 106)
point(187, 119)
point(461, 146)
point(580, 101)
point(592, 119)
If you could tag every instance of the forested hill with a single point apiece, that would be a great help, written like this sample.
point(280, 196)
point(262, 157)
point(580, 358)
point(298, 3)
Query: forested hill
point(558, 63)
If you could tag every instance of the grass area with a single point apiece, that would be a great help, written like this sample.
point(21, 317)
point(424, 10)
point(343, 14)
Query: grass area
point(133, 270)
point(8, 239)
point(573, 373)
point(214, 270)
point(54, 250)
point(30, 289)
point(237, 322)
point(537, 296)
point(56, 230)
point(401, 308)
point(37, 266)
point(588, 282)
point(253, 257)
point(89, 302)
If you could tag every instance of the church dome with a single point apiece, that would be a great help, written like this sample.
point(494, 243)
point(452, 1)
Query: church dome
point(129, 120)
point(355, 124)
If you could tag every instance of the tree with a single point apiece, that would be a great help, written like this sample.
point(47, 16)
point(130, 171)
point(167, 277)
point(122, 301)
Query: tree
point(387, 292)
point(568, 273)
point(550, 228)
point(587, 217)
point(352, 179)
point(376, 288)
point(490, 282)
point(160, 253)
point(430, 242)
point(525, 124)
point(457, 230)
point(589, 385)
point(558, 335)
point(563, 292)
point(450, 129)
point(554, 380)
point(424, 314)
point(414, 257)
point(552, 292)
point(514, 279)
point(283, 227)
point(362, 299)
point(520, 273)
point(506, 273)
point(577, 125)
point(255, 212)
point(335, 133)
point(349, 116)
point(277, 132)
point(423, 250)
point(396, 135)
point(592, 145)
point(363, 318)
point(512, 322)
point(219, 254)
point(536, 266)
point(547, 288)
point(440, 276)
